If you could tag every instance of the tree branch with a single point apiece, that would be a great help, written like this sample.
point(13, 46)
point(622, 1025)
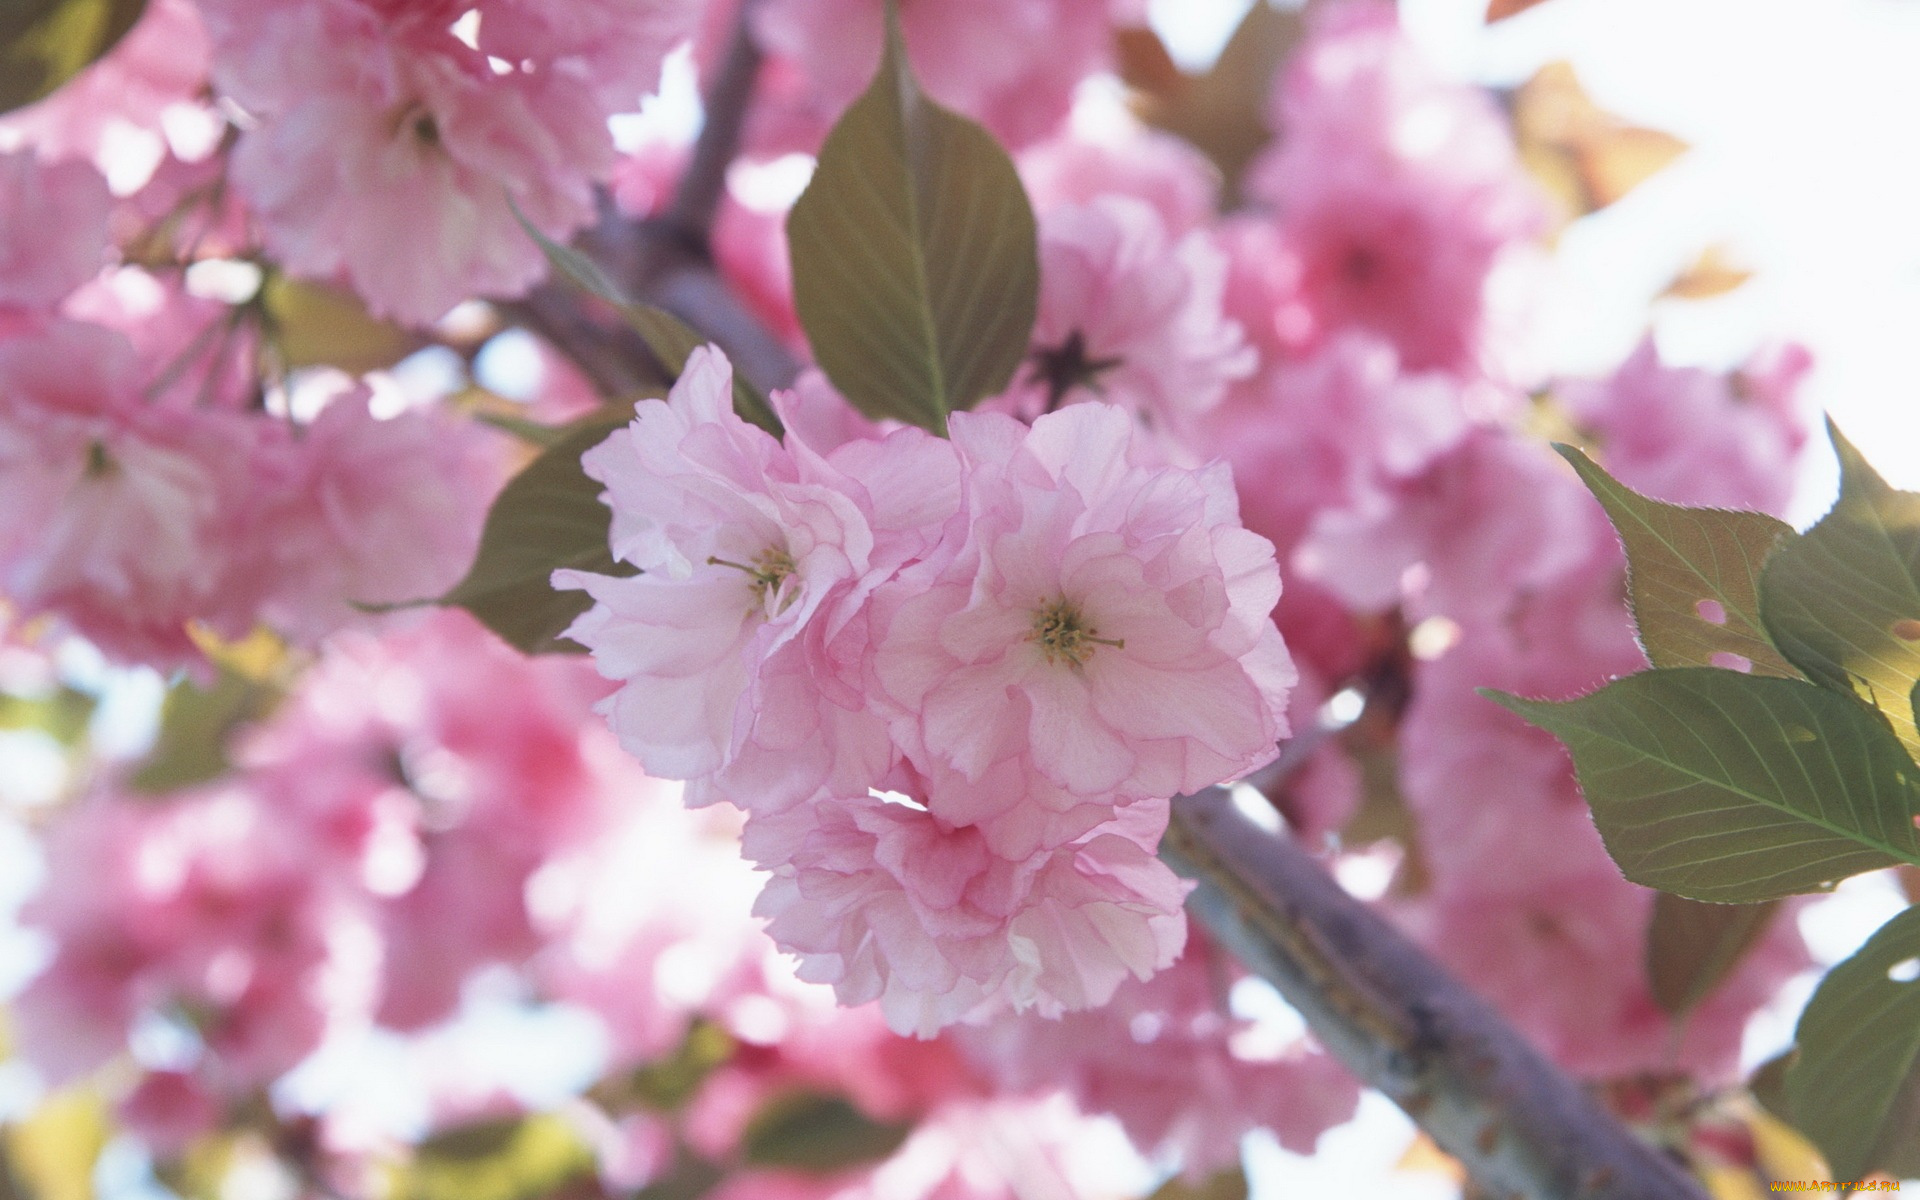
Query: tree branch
point(1404, 1025)
point(696, 201)
point(668, 260)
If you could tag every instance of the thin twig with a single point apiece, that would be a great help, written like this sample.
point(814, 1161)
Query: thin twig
point(696, 201)
point(668, 260)
point(1403, 1024)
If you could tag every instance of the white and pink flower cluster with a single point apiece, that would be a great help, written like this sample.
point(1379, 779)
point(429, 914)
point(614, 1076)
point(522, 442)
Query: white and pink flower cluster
point(953, 683)
point(135, 518)
point(373, 847)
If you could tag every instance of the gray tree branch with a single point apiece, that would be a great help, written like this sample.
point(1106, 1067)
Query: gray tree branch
point(1402, 1024)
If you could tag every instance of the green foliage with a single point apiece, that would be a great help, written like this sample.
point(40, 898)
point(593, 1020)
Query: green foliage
point(808, 1131)
point(1692, 947)
point(1854, 1086)
point(312, 324)
point(44, 43)
point(1227, 1185)
point(915, 257)
point(1843, 601)
point(1686, 566)
point(548, 517)
point(670, 338)
point(666, 1084)
point(1728, 787)
point(517, 1158)
point(195, 725)
point(62, 713)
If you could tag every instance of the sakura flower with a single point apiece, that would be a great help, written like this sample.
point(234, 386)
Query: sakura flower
point(1450, 540)
point(1691, 436)
point(1143, 163)
point(123, 514)
point(888, 902)
point(1104, 624)
point(1397, 190)
point(202, 907)
point(1132, 316)
point(1169, 1058)
point(1332, 432)
point(372, 511)
point(433, 771)
point(745, 545)
point(1010, 64)
point(378, 133)
point(53, 228)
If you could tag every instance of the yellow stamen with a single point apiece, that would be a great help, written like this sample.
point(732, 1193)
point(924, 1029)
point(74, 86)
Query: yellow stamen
point(771, 568)
point(1062, 632)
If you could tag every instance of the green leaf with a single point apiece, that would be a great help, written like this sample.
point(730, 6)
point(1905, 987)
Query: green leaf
point(671, 339)
point(316, 325)
point(1692, 574)
point(807, 1131)
point(1843, 601)
point(44, 43)
point(548, 516)
point(518, 1158)
point(195, 725)
point(1851, 1088)
point(1731, 788)
point(667, 1084)
point(1225, 1185)
point(915, 261)
point(1692, 947)
point(62, 713)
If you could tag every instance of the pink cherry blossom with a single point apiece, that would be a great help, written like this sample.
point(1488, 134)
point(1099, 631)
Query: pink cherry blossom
point(1174, 1064)
point(192, 352)
point(1010, 64)
point(1440, 540)
point(53, 228)
point(1145, 164)
point(440, 770)
point(122, 513)
point(1105, 624)
point(373, 511)
point(886, 901)
point(1691, 436)
point(1130, 315)
point(745, 545)
point(1397, 191)
point(1333, 432)
point(407, 138)
point(201, 907)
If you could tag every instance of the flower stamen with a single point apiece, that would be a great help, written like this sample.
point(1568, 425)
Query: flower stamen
point(1061, 632)
point(771, 569)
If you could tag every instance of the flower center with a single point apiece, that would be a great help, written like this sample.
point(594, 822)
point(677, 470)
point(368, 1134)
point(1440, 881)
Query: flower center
point(100, 464)
point(771, 568)
point(1062, 632)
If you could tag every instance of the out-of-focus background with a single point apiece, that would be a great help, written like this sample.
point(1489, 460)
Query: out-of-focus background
point(1802, 122)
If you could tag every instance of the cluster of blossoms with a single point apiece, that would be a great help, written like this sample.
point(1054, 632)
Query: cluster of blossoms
point(953, 683)
point(371, 849)
point(928, 698)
